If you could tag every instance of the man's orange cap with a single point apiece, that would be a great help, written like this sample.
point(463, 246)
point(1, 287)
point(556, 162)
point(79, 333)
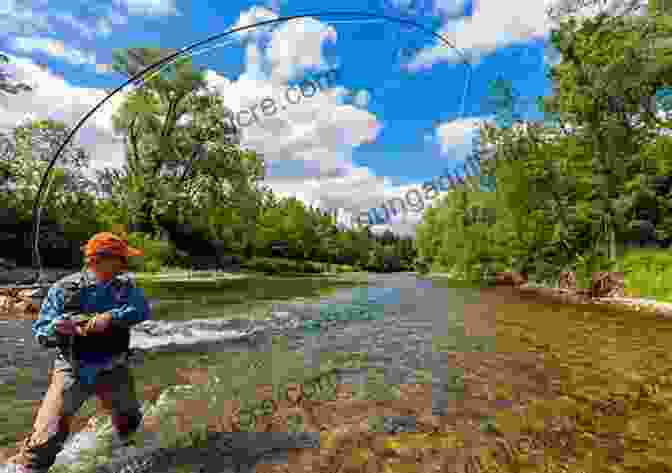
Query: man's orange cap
point(109, 244)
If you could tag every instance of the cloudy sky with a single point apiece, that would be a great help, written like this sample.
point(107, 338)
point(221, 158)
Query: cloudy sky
point(397, 115)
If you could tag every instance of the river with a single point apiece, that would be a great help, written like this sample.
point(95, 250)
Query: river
point(397, 320)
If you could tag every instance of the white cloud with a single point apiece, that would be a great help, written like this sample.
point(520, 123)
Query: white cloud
point(318, 134)
point(496, 24)
point(296, 46)
point(54, 48)
point(309, 145)
point(53, 97)
point(250, 17)
point(149, 7)
point(30, 18)
point(457, 134)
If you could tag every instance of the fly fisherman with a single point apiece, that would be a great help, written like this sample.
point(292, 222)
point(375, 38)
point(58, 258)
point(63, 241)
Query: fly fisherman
point(93, 354)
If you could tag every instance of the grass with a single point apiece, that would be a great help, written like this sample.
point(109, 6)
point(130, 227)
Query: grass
point(648, 274)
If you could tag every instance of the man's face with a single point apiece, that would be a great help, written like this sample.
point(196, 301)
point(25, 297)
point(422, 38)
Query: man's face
point(107, 265)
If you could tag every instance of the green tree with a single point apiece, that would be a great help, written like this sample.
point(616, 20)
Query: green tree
point(183, 157)
point(611, 68)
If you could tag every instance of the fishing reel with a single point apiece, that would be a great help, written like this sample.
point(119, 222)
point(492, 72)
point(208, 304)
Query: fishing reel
point(57, 340)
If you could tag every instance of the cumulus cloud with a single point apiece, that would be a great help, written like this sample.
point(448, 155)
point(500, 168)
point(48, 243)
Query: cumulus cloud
point(250, 17)
point(457, 134)
point(35, 17)
point(53, 97)
point(54, 48)
point(318, 131)
point(308, 145)
point(296, 46)
point(497, 24)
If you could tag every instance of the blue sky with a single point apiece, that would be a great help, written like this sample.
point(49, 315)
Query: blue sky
point(397, 119)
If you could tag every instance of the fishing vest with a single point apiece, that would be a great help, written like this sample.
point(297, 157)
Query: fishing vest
point(116, 340)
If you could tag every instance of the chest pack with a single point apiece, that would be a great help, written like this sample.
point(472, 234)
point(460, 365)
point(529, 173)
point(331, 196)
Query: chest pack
point(73, 285)
point(116, 340)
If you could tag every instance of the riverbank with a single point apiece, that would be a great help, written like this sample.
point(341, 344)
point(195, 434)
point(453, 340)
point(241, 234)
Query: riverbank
point(567, 296)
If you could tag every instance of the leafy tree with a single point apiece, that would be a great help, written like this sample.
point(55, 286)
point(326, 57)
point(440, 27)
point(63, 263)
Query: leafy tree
point(609, 70)
point(34, 145)
point(68, 208)
point(575, 186)
point(183, 157)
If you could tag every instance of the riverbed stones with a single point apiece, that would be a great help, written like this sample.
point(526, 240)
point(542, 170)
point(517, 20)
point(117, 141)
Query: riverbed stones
point(21, 301)
point(510, 278)
point(567, 280)
point(608, 284)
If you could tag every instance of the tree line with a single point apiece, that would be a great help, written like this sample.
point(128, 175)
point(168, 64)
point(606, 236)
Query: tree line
point(186, 188)
point(593, 178)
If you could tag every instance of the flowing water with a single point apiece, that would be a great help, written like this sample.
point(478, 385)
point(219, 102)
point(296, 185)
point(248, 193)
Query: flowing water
point(394, 319)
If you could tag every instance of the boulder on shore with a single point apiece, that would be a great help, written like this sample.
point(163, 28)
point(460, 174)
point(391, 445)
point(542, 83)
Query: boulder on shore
point(18, 301)
point(607, 284)
point(567, 280)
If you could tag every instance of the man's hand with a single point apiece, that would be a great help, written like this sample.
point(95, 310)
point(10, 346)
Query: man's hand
point(98, 324)
point(67, 327)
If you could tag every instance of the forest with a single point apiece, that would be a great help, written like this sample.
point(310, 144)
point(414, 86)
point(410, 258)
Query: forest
point(579, 190)
point(188, 194)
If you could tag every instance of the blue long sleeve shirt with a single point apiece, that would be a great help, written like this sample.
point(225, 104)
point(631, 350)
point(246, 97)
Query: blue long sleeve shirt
point(127, 308)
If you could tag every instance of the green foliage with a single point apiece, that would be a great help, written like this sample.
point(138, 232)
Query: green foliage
point(157, 253)
point(648, 274)
point(283, 266)
point(344, 268)
point(573, 189)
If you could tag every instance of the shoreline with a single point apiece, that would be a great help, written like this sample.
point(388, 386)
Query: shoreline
point(566, 296)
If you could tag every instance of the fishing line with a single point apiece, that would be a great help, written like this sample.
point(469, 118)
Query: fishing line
point(182, 59)
point(37, 206)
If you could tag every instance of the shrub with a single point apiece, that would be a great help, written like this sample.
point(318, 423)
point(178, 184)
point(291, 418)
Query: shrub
point(344, 268)
point(648, 273)
point(282, 266)
point(312, 268)
point(157, 253)
point(422, 266)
